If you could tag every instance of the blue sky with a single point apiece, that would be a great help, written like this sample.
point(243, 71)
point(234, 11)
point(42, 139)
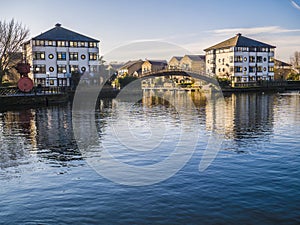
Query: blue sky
point(190, 24)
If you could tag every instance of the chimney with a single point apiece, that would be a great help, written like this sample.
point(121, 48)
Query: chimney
point(58, 25)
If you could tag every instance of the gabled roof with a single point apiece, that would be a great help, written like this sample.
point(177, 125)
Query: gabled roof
point(196, 57)
point(158, 62)
point(178, 58)
point(130, 63)
point(279, 63)
point(59, 33)
point(239, 41)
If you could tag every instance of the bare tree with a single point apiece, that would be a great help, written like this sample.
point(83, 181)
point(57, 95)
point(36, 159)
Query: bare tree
point(12, 35)
point(295, 60)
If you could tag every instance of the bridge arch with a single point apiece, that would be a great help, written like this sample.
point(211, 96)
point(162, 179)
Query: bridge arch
point(165, 73)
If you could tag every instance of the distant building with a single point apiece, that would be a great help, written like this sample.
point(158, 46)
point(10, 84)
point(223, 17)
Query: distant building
point(154, 66)
point(195, 63)
point(241, 59)
point(282, 69)
point(131, 68)
point(58, 52)
point(174, 62)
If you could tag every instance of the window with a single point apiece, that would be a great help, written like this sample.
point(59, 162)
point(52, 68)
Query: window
point(73, 44)
point(51, 82)
point(61, 56)
point(50, 56)
point(39, 55)
point(219, 70)
point(74, 68)
point(61, 44)
point(73, 55)
point(271, 59)
point(252, 59)
point(231, 69)
point(265, 59)
point(82, 56)
point(265, 69)
point(93, 68)
point(259, 59)
point(92, 44)
point(245, 59)
point(93, 56)
point(245, 69)
point(61, 68)
point(50, 43)
point(252, 49)
point(259, 69)
point(241, 49)
point(83, 69)
point(39, 68)
point(231, 59)
point(82, 44)
point(38, 43)
point(51, 69)
point(238, 69)
point(252, 69)
point(271, 69)
point(238, 59)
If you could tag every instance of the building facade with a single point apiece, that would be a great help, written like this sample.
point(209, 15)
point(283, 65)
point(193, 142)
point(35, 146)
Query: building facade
point(58, 53)
point(241, 59)
point(174, 62)
point(153, 66)
point(195, 63)
point(131, 68)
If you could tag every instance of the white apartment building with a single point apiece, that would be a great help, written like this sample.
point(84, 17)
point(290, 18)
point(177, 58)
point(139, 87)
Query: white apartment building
point(241, 59)
point(55, 54)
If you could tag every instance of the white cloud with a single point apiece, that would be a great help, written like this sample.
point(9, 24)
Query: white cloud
point(295, 5)
point(253, 30)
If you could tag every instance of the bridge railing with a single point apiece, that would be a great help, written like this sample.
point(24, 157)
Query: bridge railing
point(13, 91)
point(175, 70)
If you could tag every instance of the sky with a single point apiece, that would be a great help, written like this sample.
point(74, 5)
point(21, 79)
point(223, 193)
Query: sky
point(154, 27)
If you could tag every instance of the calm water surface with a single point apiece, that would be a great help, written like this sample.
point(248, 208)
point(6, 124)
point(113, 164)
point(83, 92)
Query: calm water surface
point(255, 178)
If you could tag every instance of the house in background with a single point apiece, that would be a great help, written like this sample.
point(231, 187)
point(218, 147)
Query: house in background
point(174, 62)
point(58, 52)
point(282, 69)
point(195, 63)
point(131, 68)
point(154, 66)
point(241, 59)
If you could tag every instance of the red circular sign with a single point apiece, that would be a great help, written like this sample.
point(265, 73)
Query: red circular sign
point(25, 84)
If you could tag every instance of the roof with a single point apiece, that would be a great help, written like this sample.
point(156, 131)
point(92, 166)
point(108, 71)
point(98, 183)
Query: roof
point(196, 57)
point(178, 58)
point(158, 62)
point(130, 63)
point(58, 33)
point(279, 63)
point(239, 41)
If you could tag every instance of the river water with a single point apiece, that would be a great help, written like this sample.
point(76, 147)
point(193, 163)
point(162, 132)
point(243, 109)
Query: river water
point(254, 179)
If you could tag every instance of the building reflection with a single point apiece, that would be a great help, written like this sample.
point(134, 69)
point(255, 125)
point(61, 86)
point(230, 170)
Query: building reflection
point(17, 136)
point(239, 115)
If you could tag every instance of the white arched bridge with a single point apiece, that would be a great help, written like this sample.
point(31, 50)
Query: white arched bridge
point(177, 72)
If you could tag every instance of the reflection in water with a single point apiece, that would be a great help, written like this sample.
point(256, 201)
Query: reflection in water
point(55, 135)
point(47, 132)
point(36, 145)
